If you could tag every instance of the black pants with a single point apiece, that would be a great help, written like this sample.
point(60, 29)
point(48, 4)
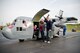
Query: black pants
point(64, 32)
point(47, 36)
point(36, 33)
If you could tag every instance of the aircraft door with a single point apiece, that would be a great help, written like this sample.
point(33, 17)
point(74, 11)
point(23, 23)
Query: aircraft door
point(37, 17)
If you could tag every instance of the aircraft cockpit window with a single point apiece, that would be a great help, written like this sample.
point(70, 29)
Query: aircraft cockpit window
point(18, 28)
point(15, 20)
point(23, 21)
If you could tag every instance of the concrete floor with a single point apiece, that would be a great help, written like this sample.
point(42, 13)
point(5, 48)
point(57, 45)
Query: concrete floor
point(70, 44)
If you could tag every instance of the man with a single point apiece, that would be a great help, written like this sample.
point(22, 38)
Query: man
point(48, 28)
point(64, 30)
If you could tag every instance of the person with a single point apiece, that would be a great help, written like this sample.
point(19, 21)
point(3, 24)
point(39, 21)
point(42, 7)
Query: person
point(35, 31)
point(64, 30)
point(48, 28)
point(35, 27)
point(41, 27)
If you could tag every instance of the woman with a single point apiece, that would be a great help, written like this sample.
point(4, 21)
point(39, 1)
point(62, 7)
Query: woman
point(41, 27)
point(35, 31)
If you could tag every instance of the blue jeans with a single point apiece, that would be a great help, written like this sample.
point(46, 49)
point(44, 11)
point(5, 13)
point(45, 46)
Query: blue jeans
point(42, 35)
point(64, 32)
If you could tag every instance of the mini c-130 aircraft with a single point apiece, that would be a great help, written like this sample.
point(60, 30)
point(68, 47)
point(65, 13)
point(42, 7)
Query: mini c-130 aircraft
point(22, 27)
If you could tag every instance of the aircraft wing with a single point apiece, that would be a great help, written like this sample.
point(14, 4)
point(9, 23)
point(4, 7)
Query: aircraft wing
point(72, 20)
point(39, 14)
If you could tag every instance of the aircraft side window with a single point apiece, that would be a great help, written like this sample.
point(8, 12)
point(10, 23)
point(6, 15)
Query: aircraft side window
point(23, 29)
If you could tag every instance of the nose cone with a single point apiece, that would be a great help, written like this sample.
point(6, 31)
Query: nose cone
point(7, 33)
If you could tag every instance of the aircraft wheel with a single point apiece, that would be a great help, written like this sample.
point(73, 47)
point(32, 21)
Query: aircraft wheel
point(21, 40)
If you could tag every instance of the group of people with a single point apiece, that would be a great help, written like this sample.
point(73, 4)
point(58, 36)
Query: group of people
point(46, 26)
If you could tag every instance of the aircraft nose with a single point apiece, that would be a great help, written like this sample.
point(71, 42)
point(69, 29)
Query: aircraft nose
point(7, 33)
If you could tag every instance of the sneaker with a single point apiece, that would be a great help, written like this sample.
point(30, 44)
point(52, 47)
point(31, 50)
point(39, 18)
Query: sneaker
point(64, 36)
point(48, 42)
point(45, 41)
point(34, 35)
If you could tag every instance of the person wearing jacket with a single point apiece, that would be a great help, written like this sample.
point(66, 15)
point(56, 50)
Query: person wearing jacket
point(48, 28)
point(41, 28)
